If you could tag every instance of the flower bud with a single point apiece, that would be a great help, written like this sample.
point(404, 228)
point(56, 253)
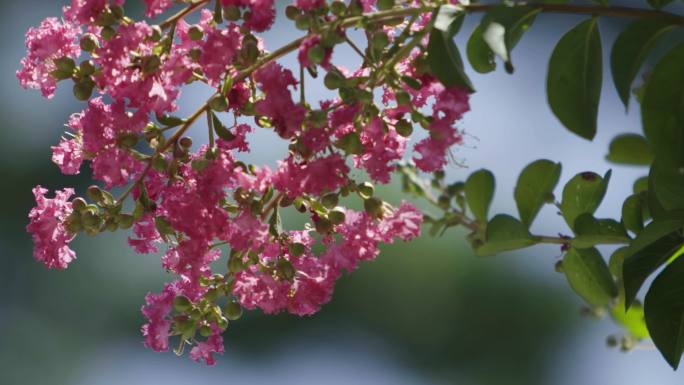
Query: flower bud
point(292, 12)
point(156, 33)
point(84, 89)
point(330, 200)
point(233, 311)
point(150, 64)
point(89, 42)
point(108, 33)
point(404, 128)
point(296, 249)
point(338, 8)
point(316, 54)
point(374, 207)
point(205, 330)
point(87, 68)
point(185, 142)
point(350, 143)
point(365, 190)
point(333, 80)
point(219, 103)
point(285, 269)
point(95, 193)
point(195, 32)
point(323, 225)
point(336, 216)
point(231, 12)
point(79, 204)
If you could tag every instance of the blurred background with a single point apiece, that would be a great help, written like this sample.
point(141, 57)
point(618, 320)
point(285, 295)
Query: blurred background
point(426, 312)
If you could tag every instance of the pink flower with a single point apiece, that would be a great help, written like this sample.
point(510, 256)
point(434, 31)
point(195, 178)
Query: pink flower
point(86, 11)
point(218, 51)
point(285, 115)
point(157, 308)
point(68, 155)
point(115, 166)
point(311, 177)
point(156, 7)
point(404, 223)
point(147, 235)
point(307, 5)
point(382, 146)
point(50, 236)
point(51, 40)
point(205, 350)
point(261, 13)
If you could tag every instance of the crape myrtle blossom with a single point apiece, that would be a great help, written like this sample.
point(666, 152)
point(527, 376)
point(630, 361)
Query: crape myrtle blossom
point(198, 203)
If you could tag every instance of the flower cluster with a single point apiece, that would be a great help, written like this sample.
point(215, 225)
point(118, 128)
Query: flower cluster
point(194, 202)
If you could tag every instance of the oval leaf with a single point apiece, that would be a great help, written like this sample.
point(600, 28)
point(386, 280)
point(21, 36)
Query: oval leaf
point(535, 187)
point(630, 51)
point(503, 26)
point(630, 149)
point(505, 233)
point(445, 60)
point(574, 79)
point(662, 111)
point(651, 249)
point(479, 54)
point(667, 179)
point(591, 231)
point(479, 191)
point(633, 212)
point(664, 311)
point(583, 194)
point(589, 276)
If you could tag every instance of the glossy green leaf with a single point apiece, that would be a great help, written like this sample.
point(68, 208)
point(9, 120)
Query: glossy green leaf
point(662, 110)
point(535, 187)
point(479, 191)
point(503, 26)
point(505, 233)
point(633, 212)
point(275, 224)
point(444, 58)
point(480, 56)
point(667, 179)
point(589, 276)
point(664, 311)
point(630, 149)
point(590, 231)
point(583, 194)
point(656, 243)
point(616, 260)
point(640, 185)
point(630, 51)
point(221, 131)
point(574, 79)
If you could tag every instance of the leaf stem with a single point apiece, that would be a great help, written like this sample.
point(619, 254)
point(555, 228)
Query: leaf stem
point(182, 13)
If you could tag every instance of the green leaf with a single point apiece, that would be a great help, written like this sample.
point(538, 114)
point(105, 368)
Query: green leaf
point(656, 243)
point(505, 233)
point(221, 130)
point(479, 54)
point(667, 179)
point(633, 212)
point(589, 276)
point(535, 187)
point(662, 110)
point(573, 84)
point(479, 191)
point(583, 194)
point(630, 51)
point(664, 310)
point(503, 26)
point(444, 58)
point(630, 149)
point(591, 231)
point(632, 320)
point(275, 224)
point(616, 260)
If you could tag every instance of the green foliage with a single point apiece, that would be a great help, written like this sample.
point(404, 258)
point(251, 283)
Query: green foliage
point(630, 149)
point(443, 55)
point(649, 250)
point(479, 54)
point(479, 191)
point(501, 30)
point(664, 311)
point(589, 277)
point(583, 194)
point(574, 79)
point(590, 232)
point(505, 233)
point(535, 187)
point(631, 50)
